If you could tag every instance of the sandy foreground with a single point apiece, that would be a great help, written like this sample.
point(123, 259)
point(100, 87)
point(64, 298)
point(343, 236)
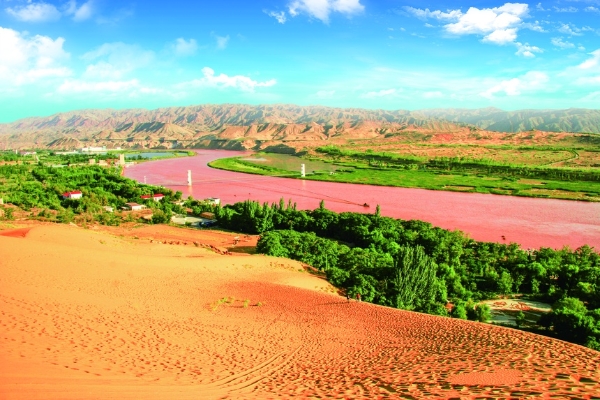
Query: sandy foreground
point(114, 313)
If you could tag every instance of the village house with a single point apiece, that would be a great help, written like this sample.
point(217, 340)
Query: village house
point(134, 206)
point(155, 197)
point(74, 195)
point(213, 201)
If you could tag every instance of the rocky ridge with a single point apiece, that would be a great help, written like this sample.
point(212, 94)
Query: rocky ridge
point(237, 127)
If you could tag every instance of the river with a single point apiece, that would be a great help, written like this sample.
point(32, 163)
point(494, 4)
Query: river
point(531, 222)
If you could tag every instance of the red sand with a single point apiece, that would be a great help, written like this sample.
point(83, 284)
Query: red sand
point(16, 232)
point(86, 314)
point(533, 223)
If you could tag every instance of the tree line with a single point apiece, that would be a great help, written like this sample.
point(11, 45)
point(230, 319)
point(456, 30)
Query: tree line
point(456, 164)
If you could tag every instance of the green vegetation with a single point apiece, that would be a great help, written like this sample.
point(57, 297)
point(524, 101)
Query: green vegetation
point(240, 165)
point(439, 173)
point(38, 188)
point(415, 266)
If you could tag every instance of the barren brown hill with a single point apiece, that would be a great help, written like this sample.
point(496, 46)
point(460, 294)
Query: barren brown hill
point(216, 126)
point(146, 313)
point(234, 126)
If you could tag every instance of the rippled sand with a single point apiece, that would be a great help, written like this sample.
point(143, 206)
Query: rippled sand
point(91, 314)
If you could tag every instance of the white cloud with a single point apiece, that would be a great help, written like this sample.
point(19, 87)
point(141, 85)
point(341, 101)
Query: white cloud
point(526, 50)
point(501, 36)
point(115, 60)
point(592, 9)
point(380, 93)
point(35, 12)
point(222, 41)
point(27, 60)
point(570, 30)
point(560, 43)
point(514, 87)
point(183, 47)
point(499, 25)
point(40, 12)
point(437, 14)
point(220, 81)
point(592, 62)
point(565, 9)
point(279, 16)
point(321, 9)
point(85, 11)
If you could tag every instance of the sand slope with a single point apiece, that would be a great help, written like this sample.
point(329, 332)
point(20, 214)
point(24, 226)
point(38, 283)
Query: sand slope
point(87, 314)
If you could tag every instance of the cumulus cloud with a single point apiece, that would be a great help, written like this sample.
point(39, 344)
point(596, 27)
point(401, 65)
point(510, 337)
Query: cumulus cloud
point(514, 87)
point(35, 12)
point(222, 81)
point(115, 60)
point(25, 59)
point(592, 9)
point(41, 12)
point(183, 47)
point(321, 9)
point(570, 30)
point(526, 50)
point(279, 16)
point(560, 43)
point(499, 25)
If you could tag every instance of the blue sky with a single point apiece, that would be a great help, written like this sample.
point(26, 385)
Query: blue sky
point(71, 54)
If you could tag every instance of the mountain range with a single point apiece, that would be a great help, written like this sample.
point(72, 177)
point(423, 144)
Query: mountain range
point(238, 126)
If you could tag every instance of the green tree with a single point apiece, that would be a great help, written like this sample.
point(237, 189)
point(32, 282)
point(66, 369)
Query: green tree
point(414, 277)
point(483, 313)
point(459, 311)
point(520, 319)
point(8, 213)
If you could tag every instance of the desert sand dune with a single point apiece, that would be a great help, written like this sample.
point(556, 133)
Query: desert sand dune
point(90, 314)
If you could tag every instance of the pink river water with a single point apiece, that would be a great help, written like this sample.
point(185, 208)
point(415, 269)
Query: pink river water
point(533, 223)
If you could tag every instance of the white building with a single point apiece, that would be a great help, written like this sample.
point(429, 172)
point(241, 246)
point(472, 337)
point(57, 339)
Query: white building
point(74, 195)
point(134, 206)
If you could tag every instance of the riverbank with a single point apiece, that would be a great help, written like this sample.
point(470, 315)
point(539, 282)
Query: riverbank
point(361, 173)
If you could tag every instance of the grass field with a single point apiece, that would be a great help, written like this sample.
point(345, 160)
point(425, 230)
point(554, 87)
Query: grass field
point(348, 170)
